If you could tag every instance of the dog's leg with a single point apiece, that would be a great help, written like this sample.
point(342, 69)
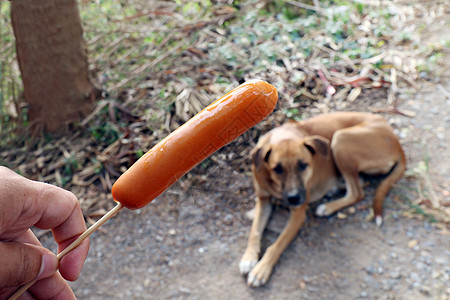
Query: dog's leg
point(354, 193)
point(261, 272)
point(263, 209)
point(344, 147)
point(384, 187)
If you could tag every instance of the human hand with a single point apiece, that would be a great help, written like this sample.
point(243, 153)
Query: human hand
point(23, 204)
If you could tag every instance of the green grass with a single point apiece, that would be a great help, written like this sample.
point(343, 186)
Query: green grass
point(292, 113)
point(418, 210)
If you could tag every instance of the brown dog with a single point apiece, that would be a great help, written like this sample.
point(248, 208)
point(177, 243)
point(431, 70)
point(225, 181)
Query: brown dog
point(300, 162)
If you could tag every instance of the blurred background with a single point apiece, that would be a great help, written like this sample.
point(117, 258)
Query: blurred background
point(87, 87)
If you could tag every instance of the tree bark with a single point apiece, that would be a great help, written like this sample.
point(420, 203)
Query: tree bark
point(53, 62)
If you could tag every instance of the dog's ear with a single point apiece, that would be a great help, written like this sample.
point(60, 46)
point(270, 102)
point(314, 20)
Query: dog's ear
point(317, 144)
point(260, 155)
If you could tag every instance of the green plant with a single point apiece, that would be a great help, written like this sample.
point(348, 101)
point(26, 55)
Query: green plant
point(139, 153)
point(292, 113)
point(417, 209)
point(106, 133)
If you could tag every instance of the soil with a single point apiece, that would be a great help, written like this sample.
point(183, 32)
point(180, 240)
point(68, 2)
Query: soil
point(187, 244)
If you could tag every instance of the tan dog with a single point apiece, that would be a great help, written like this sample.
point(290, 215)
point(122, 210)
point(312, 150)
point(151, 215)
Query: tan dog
point(300, 162)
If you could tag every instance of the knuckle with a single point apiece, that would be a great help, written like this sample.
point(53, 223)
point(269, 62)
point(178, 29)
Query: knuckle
point(51, 192)
point(3, 169)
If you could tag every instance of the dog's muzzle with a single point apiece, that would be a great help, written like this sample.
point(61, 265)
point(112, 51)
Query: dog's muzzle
point(295, 198)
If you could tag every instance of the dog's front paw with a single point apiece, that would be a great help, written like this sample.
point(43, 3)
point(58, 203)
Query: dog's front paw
point(259, 275)
point(323, 211)
point(248, 261)
point(379, 220)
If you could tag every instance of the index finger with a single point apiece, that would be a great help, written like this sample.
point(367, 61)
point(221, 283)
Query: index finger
point(60, 211)
point(62, 214)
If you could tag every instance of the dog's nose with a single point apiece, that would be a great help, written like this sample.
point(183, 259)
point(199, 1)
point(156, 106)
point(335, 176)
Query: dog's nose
point(293, 199)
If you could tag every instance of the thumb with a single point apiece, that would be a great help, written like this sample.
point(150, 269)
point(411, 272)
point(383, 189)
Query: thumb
point(22, 263)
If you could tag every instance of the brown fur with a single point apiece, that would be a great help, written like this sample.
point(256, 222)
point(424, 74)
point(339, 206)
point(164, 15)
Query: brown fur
point(300, 162)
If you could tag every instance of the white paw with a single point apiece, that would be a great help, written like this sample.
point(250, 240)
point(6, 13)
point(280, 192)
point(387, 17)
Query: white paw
point(378, 220)
point(253, 281)
point(259, 275)
point(245, 266)
point(322, 211)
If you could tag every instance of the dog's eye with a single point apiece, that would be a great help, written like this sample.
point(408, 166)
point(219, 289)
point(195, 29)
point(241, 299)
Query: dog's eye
point(302, 166)
point(278, 169)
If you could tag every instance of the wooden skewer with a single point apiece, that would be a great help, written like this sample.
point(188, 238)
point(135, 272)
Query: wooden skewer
point(73, 245)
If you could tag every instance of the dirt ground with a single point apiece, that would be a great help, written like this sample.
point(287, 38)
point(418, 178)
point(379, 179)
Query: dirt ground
point(187, 244)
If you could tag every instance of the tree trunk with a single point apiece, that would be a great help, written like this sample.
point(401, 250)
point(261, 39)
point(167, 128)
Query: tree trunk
point(53, 62)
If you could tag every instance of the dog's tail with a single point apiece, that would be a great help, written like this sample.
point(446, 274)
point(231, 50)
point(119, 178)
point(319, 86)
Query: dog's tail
point(385, 185)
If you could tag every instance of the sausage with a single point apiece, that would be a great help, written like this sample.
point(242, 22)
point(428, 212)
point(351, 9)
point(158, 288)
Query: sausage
point(213, 127)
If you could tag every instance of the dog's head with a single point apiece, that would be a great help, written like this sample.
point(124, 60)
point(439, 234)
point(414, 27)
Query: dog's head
point(290, 164)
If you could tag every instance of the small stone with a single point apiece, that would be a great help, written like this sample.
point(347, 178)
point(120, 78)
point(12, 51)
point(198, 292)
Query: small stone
point(363, 294)
point(87, 292)
point(414, 276)
point(138, 288)
point(228, 219)
point(352, 210)
point(421, 266)
point(412, 243)
point(368, 279)
point(395, 275)
point(386, 286)
point(147, 283)
point(370, 270)
point(425, 290)
point(381, 262)
point(250, 214)
point(172, 232)
point(184, 290)
point(302, 285)
point(341, 216)
point(435, 274)
point(441, 260)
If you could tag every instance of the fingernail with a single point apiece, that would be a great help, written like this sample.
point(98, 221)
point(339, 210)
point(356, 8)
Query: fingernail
point(49, 265)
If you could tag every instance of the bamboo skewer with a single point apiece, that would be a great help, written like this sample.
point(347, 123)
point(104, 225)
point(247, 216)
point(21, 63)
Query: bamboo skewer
point(73, 245)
